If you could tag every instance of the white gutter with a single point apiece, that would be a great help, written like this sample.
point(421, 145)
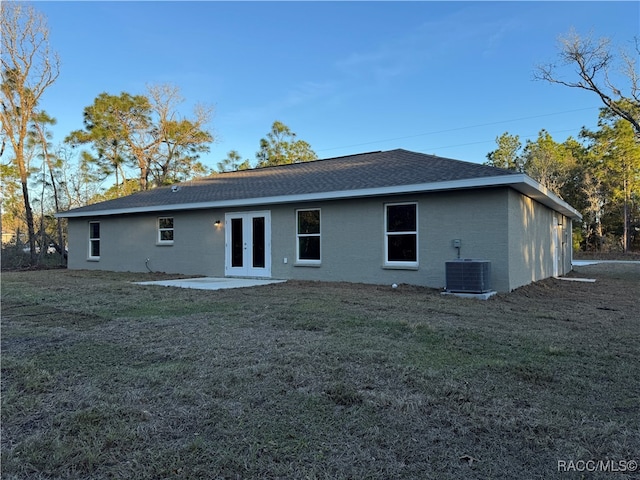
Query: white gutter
point(520, 182)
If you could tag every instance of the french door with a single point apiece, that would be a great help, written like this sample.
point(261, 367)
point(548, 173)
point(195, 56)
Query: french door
point(248, 244)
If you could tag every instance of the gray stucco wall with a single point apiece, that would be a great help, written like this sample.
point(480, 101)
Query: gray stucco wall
point(127, 241)
point(499, 225)
point(477, 219)
point(532, 241)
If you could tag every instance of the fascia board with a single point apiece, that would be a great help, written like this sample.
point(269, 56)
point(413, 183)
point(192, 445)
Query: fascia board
point(540, 193)
point(519, 182)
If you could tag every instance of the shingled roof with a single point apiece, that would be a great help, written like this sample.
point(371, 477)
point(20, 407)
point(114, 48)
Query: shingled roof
point(367, 174)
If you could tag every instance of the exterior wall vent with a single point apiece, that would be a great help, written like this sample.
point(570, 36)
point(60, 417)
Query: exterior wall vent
point(468, 276)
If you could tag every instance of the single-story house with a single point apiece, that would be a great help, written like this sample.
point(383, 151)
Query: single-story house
point(381, 217)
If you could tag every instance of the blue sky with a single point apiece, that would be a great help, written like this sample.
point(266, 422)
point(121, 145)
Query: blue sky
point(444, 78)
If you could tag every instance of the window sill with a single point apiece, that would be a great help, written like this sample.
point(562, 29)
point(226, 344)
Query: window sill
point(93, 259)
point(400, 267)
point(164, 244)
point(304, 264)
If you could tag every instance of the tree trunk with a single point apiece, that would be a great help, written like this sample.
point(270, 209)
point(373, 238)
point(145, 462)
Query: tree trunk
point(625, 219)
point(599, 236)
point(29, 217)
point(57, 204)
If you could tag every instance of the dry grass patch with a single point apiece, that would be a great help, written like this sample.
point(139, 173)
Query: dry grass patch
point(105, 379)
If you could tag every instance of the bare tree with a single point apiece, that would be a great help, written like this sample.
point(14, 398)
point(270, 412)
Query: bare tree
point(28, 69)
point(80, 180)
point(180, 140)
point(596, 64)
point(147, 133)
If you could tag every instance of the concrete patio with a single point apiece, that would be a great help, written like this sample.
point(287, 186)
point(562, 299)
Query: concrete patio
point(212, 283)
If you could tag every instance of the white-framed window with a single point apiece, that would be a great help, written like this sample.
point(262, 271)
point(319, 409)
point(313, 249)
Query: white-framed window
point(401, 234)
point(308, 236)
point(165, 230)
point(94, 240)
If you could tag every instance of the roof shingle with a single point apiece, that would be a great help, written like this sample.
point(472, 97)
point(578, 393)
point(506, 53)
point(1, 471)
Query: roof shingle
point(354, 172)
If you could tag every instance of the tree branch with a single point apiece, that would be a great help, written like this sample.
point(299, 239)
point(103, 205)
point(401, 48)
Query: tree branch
point(594, 61)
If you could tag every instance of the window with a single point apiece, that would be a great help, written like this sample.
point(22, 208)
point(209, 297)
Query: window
point(401, 235)
point(94, 240)
point(165, 230)
point(308, 235)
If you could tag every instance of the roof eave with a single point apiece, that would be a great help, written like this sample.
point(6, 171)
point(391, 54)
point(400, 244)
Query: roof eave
point(535, 190)
point(519, 182)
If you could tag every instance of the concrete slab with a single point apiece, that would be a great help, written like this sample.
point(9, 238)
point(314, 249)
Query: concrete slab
point(477, 296)
point(582, 263)
point(573, 279)
point(212, 283)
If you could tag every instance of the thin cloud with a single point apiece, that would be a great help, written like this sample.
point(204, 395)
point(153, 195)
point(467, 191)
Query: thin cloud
point(466, 28)
point(304, 93)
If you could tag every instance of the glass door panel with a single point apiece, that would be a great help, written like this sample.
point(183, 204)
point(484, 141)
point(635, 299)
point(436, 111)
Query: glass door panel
point(237, 243)
point(258, 243)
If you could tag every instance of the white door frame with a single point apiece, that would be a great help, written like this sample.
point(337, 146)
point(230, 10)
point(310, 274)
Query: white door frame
point(244, 257)
point(556, 245)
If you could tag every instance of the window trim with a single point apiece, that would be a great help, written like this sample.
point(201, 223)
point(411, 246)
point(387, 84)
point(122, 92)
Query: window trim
point(159, 240)
point(93, 240)
point(306, 261)
point(395, 263)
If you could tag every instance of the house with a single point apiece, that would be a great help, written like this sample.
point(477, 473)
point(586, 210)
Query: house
point(381, 217)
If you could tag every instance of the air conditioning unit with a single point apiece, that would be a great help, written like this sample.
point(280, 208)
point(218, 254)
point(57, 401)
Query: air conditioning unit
point(468, 276)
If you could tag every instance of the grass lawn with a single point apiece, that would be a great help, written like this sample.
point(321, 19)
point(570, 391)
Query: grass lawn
point(104, 379)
